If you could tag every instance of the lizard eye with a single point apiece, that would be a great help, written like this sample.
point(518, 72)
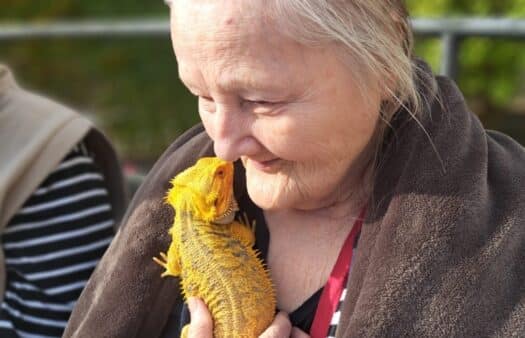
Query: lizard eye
point(220, 173)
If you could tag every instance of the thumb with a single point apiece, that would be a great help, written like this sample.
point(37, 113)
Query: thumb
point(201, 325)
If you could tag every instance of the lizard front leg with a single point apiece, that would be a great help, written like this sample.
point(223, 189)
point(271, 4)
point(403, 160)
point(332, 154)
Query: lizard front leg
point(243, 231)
point(170, 262)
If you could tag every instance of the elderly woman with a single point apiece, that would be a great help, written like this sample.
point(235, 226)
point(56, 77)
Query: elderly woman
point(343, 143)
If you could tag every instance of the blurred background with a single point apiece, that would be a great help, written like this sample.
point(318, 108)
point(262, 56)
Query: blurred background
point(128, 82)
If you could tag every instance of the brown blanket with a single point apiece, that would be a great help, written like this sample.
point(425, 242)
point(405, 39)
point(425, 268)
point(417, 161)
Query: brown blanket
point(441, 254)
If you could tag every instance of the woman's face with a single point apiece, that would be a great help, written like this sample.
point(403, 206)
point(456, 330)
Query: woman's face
point(293, 114)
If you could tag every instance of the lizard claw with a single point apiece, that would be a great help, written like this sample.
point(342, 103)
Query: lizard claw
point(246, 221)
point(170, 269)
point(163, 261)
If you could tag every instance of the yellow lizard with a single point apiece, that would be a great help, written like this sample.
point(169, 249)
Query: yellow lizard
point(213, 254)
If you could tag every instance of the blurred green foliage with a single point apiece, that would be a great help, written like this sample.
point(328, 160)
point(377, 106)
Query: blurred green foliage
point(48, 10)
point(492, 71)
point(131, 84)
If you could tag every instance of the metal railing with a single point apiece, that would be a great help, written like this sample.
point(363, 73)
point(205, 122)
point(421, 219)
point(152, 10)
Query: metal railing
point(451, 32)
point(85, 29)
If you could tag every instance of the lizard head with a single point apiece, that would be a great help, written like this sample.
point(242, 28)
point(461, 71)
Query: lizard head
point(206, 190)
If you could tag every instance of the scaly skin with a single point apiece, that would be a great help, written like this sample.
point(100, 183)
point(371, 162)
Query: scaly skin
point(213, 254)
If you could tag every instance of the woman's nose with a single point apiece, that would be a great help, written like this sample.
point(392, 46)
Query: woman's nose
point(232, 134)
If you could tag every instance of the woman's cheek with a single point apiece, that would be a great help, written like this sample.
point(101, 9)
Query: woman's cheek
point(281, 136)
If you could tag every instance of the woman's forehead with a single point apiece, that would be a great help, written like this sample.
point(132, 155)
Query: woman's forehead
point(219, 14)
point(229, 52)
point(221, 25)
point(228, 40)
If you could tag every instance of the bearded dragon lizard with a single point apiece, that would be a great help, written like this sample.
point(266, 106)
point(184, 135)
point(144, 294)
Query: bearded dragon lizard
point(212, 253)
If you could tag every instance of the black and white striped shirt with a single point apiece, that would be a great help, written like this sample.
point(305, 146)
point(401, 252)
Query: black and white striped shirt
point(336, 317)
point(52, 246)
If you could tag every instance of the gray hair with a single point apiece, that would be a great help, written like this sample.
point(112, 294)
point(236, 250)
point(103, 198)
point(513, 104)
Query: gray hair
point(374, 36)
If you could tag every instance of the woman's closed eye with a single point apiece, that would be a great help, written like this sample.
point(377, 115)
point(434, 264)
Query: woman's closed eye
point(207, 104)
point(260, 106)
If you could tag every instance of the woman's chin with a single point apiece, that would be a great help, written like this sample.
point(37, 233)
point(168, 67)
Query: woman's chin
point(264, 192)
point(262, 196)
point(269, 190)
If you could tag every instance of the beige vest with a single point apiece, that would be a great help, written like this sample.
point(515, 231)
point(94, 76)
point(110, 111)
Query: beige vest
point(35, 135)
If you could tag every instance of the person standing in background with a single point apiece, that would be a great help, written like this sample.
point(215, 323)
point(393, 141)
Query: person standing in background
point(61, 198)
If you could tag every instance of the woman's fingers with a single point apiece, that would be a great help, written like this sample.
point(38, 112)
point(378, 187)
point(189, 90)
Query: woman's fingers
point(298, 333)
point(201, 325)
point(280, 328)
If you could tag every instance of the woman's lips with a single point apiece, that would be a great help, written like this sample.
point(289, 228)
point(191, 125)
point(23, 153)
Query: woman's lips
point(266, 166)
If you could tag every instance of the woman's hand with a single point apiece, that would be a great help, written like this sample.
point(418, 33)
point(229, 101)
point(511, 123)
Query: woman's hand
point(201, 325)
point(281, 327)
